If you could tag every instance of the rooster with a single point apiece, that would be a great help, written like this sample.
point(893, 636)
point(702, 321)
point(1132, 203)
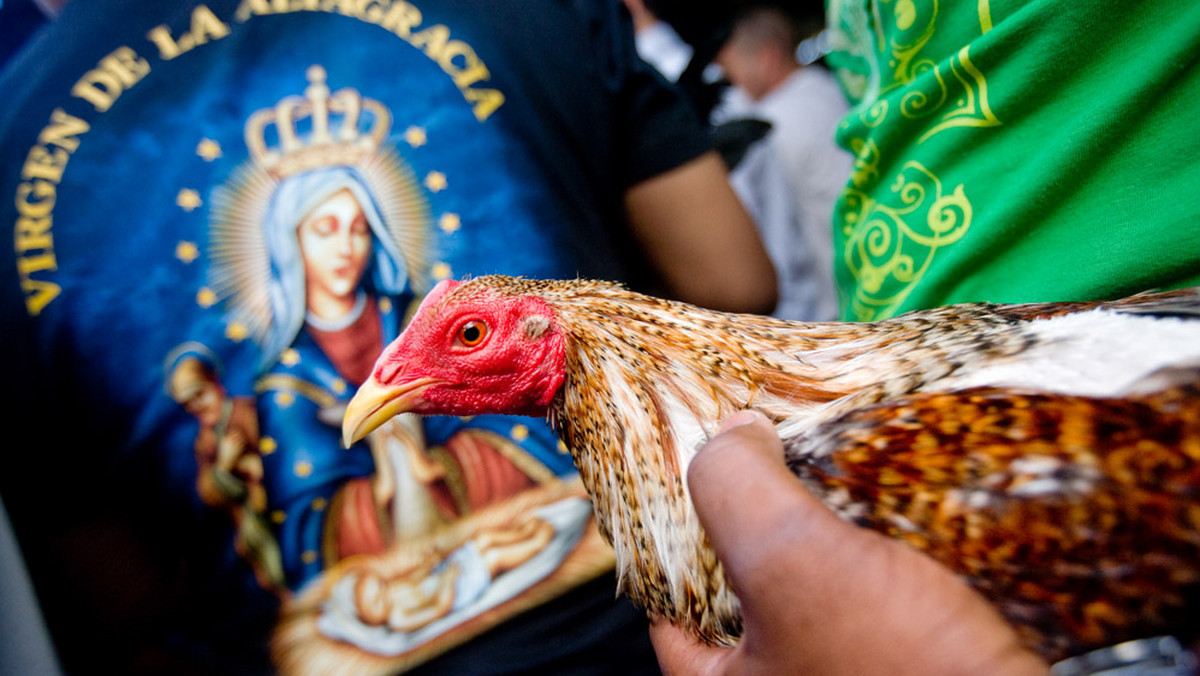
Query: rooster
point(1048, 453)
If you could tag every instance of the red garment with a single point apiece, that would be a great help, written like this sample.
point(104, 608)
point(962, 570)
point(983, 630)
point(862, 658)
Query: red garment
point(358, 527)
point(353, 349)
point(487, 476)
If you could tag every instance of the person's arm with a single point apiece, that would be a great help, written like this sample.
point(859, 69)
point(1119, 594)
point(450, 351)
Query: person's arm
point(696, 232)
point(819, 595)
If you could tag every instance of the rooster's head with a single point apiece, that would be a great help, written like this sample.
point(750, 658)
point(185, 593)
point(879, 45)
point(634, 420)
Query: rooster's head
point(469, 349)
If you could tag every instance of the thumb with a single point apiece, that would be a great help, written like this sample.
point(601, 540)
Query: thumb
point(744, 493)
point(679, 653)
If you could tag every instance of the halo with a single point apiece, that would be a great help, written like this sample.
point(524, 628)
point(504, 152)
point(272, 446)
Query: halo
point(239, 271)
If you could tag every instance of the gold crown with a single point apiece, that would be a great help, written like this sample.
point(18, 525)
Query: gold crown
point(321, 146)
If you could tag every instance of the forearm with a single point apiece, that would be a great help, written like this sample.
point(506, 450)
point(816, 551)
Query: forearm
point(701, 239)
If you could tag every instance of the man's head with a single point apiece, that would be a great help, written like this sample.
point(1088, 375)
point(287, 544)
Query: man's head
point(761, 52)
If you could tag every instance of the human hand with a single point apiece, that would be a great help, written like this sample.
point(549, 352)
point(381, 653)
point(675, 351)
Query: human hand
point(819, 595)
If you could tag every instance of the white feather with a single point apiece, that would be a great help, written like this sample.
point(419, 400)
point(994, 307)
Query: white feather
point(1096, 353)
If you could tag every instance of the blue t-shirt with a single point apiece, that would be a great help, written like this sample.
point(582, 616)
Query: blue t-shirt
point(190, 186)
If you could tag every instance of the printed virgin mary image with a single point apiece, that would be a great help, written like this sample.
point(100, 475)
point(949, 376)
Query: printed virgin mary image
point(319, 248)
point(338, 287)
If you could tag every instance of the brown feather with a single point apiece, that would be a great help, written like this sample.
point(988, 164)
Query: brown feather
point(1067, 512)
point(1078, 516)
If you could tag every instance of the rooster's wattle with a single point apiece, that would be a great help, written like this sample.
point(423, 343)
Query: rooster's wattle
point(1048, 453)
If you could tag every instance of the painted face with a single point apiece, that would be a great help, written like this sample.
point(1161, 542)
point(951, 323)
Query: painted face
point(335, 241)
point(205, 404)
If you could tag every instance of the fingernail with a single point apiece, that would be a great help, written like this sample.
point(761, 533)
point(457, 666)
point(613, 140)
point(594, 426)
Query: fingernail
point(740, 418)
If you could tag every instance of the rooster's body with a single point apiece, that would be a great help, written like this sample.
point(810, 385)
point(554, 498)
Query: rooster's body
point(1049, 453)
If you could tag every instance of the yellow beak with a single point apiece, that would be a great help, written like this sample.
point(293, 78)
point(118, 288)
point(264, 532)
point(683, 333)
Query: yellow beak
point(375, 404)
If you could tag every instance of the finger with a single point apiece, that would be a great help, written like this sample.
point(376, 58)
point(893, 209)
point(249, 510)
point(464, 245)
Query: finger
point(679, 653)
point(744, 493)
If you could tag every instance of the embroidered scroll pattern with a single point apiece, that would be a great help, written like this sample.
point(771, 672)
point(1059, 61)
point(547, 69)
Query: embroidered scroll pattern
point(895, 217)
point(897, 239)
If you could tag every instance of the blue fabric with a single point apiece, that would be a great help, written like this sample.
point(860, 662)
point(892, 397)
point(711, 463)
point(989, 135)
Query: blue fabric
point(124, 168)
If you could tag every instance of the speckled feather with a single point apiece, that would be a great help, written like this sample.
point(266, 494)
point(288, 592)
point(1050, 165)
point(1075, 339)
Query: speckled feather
point(1078, 517)
point(909, 426)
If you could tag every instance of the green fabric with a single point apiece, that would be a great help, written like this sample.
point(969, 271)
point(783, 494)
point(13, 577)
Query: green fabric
point(1016, 151)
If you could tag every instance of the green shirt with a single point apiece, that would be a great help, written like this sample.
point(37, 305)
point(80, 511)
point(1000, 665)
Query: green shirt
point(1016, 151)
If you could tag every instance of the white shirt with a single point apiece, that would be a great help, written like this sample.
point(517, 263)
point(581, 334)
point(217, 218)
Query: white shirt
point(804, 112)
point(659, 45)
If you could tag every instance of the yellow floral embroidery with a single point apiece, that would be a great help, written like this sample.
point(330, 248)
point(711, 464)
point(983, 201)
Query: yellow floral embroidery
point(896, 240)
point(985, 16)
point(914, 27)
point(972, 108)
point(895, 217)
point(866, 162)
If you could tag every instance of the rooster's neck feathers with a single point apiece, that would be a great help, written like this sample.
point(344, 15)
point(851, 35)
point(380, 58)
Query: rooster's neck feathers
point(648, 380)
point(1023, 446)
point(682, 369)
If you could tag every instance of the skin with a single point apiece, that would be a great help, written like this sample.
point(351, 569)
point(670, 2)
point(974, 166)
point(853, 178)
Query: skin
point(756, 63)
point(335, 241)
point(703, 242)
point(823, 597)
point(643, 18)
point(751, 69)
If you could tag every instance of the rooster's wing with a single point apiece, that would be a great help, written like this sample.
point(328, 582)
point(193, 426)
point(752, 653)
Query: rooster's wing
point(1078, 517)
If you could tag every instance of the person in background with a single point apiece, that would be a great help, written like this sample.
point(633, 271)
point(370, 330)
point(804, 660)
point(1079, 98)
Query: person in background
point(756, 171)
point(657, 42)
point(1004, 153)
point(803, 104)
point(179, 178)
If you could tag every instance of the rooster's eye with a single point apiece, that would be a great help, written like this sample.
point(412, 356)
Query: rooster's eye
point(472, 333)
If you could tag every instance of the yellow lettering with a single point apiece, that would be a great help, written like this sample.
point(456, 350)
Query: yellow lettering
point(455, 57)
point(344, 7)
point(33, 226)
point(45, 164)
point(469, 76)
point(31, 264)
point(97, 88)
point(115, 73)
point(432, 40)
point(63, 130)
point(401, 19)
point(205, 27)
point(38, 293)
point(484, 101)
point(438, 46)
point(167, 47)
point(44, 194)
point(36, 196)
point(373, 12)
point(472, 70)
point(250, 8)
point(33, 233)
point(126, 65)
